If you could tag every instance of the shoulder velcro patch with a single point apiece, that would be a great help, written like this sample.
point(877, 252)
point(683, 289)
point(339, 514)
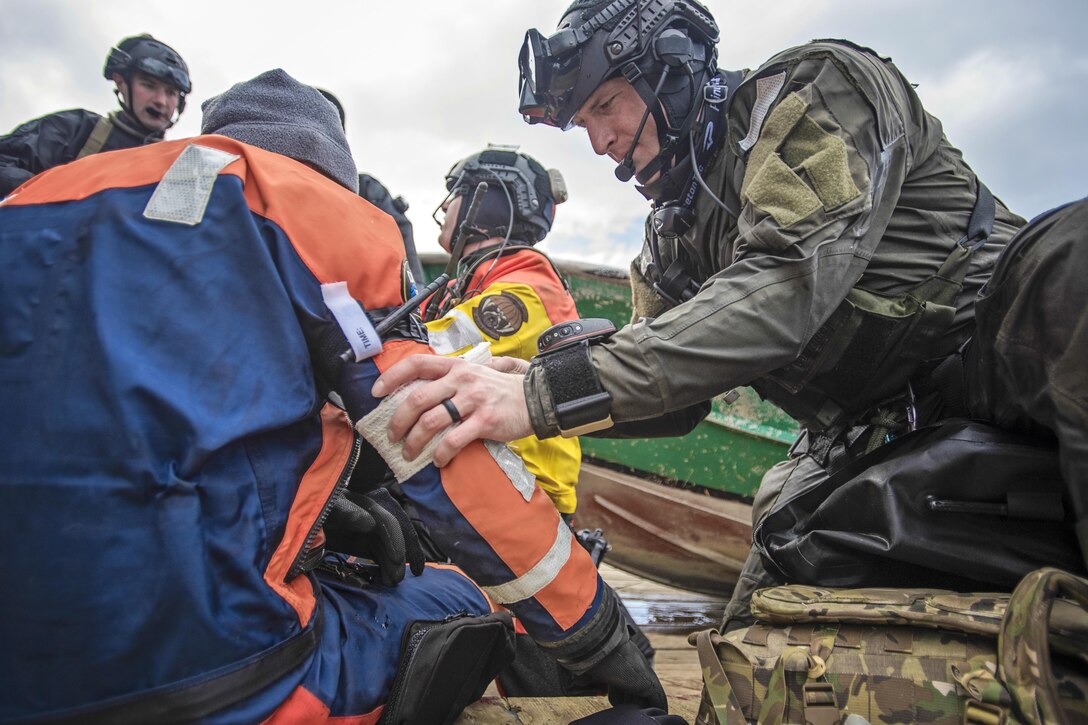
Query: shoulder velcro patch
point(500, 315)
point(793, 144)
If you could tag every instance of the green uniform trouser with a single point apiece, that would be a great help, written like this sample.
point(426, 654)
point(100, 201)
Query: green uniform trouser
point(795, 474)
point(1026, 370)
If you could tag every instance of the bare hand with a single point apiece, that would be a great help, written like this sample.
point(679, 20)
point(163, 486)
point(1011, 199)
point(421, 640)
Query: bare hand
point(491, 404)
point(510, 365)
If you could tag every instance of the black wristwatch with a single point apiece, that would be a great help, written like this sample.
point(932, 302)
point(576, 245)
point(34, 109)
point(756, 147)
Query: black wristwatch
point(581, 404)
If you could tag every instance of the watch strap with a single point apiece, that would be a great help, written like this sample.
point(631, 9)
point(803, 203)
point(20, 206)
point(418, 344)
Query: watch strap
point(581, 404)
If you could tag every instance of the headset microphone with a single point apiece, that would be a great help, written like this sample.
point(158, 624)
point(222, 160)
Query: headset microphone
point(626, 169)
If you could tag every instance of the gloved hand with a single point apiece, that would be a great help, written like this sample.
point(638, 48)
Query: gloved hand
point(629, 677)
point(374, 526)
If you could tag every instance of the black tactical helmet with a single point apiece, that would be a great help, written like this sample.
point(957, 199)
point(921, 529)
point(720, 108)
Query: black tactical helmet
point(599, 39)
point(514, 177)
point(145, 54)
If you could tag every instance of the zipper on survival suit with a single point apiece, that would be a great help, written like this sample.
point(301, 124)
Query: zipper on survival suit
point(307, 559)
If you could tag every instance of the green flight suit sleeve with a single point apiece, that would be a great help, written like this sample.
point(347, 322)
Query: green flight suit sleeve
point(817, 190)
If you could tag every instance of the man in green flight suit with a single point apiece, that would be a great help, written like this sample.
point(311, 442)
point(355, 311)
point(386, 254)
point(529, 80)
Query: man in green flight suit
point(812, 233)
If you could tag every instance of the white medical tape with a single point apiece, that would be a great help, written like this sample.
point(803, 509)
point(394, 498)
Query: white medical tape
point(374, 428)
point(462, 333)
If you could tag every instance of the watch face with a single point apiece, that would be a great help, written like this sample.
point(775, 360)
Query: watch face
point(500, 315)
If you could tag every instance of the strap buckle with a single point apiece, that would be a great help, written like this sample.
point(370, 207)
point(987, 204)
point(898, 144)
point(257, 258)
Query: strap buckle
point(818, 701)
point(983, 713)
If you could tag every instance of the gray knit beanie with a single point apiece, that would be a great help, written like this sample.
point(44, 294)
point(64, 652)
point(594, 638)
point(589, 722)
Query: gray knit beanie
point(277, 113)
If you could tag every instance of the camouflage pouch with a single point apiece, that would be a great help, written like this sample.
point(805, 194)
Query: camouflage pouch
point(826, 656)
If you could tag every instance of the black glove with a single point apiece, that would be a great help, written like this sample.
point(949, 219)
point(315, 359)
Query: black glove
point(629, 677)
point(374, 526)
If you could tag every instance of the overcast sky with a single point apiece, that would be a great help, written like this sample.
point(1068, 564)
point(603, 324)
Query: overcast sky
point(426, 82)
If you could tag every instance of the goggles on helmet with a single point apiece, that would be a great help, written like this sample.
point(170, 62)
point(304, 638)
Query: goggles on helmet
point(149, 56)
point(559, 73)
point(164, 72)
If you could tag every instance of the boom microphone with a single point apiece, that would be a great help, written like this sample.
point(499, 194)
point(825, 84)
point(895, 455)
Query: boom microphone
point(626, 169)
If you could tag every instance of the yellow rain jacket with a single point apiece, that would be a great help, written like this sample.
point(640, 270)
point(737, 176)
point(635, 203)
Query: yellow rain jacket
point(507, 301)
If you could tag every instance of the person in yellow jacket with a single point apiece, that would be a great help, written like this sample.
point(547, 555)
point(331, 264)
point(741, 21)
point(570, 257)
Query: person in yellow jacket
point(506, 291)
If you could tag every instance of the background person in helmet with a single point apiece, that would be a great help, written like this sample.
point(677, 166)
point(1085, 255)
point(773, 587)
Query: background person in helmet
point(507, 291)
point(812, 233)
point(151, 82)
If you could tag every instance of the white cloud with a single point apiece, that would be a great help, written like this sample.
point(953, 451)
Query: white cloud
point(982, 87)
point(427, 82)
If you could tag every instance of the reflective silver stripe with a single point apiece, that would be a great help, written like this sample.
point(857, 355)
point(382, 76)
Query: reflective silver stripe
point(183, 193)
point(513, 467)
point(540, 576)
point(766, 91)
point(461, 334)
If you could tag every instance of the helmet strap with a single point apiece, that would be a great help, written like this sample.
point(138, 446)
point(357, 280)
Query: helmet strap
point(626, 169)
point(130, 112)
point(670, 138)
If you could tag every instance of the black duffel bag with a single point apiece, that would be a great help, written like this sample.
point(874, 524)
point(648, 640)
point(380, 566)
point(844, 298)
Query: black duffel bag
point(955, 505)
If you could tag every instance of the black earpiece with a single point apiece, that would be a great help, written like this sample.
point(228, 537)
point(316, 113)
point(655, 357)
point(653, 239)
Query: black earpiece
point(672, 221)
point(674, 48)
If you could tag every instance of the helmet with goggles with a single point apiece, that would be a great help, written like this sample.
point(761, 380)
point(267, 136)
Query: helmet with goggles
point(144, 54)
point(521, 194)
point(666, 49)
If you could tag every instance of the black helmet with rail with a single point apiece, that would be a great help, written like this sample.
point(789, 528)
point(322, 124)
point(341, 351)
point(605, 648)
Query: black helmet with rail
point(144, 54)
point(666, 49)
point(521, 194)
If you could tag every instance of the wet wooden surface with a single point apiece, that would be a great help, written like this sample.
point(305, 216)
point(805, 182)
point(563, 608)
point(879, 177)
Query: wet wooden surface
point(666, 615)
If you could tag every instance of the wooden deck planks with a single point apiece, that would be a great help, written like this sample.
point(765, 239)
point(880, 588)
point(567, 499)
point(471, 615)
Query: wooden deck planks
point(676, 662)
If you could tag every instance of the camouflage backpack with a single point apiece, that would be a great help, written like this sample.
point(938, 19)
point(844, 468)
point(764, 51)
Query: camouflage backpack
point(825, 656)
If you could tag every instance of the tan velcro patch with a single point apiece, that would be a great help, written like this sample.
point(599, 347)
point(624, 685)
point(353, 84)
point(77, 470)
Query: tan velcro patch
point(777, 126)
point(776, 190)
point(793, 140)
point(823, 157)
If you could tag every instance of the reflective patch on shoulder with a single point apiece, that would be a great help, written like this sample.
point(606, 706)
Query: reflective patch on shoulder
point(354, 323)
point(459, 334)
point(766, 91)
point(513, 467)
point(540, 576)
point(182, 194)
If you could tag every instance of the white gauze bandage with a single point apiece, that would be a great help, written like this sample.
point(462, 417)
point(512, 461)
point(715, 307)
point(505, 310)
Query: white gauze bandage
point(373, 426)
